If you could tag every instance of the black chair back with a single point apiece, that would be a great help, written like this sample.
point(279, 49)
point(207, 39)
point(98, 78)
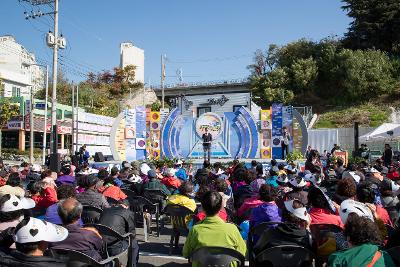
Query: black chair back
point(256, 232)
point(178, 216)
point(321, 234)
point(394, 252)
point(91, 214)
point(78, 259)
point(217, 257)
point(109, 235)
point(285, 256)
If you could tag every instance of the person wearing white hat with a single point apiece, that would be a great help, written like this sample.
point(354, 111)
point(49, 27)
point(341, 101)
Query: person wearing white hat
point(297, 185)
point(363, 236)
point(12, 210)
point(32, 237)
point(293, 230)
point(169, 180)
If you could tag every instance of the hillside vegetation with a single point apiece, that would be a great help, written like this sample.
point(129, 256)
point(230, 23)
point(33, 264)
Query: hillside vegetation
point(354, 78)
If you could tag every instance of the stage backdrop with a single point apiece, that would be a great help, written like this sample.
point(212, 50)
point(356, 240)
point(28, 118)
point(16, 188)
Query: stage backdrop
point(139, 133)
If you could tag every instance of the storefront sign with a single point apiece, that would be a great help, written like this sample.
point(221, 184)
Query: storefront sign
point(15, 125)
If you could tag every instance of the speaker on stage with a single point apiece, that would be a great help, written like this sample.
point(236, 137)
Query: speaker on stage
point(55, 165)
point(98, 157)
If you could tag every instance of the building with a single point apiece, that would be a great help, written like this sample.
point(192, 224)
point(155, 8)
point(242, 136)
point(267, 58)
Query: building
point(93, 130)
point(18, 74)
point(132, 55)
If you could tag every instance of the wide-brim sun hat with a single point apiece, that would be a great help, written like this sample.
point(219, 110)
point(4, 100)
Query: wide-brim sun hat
point(282, 178)
point(37, 230)
point(300, 213)
point(349, 206)
point(15, 203)
point(144, 168)
point(297, 182)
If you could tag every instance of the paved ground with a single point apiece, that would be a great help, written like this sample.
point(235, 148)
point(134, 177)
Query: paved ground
point(155, 251)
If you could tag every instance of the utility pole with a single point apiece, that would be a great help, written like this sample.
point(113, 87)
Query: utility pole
point(54, 91)
point(45, 117)
point(73, 121)
point(77, 118)
point(162, 79)
point(32, 135)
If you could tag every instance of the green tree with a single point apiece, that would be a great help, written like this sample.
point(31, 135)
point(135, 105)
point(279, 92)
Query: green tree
point(375, 25)
point(304, 73)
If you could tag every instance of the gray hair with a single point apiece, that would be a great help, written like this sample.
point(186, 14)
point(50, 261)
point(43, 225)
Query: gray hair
point(69, 210)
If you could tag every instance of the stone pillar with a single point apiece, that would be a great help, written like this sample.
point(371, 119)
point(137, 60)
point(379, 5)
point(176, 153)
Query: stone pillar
point(21, 140)
point(62, 141)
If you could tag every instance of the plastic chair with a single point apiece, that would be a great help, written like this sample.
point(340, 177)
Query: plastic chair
point(217, 257)
point(285, 256)
point(90, 214)
point(156, 196)
point(321, 234)
point(141, 206)
point(78, 259)
point(257, 232)
point(178, 216)
point(394, 252)
point(125, 256)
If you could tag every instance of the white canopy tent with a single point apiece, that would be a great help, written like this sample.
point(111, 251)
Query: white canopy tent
point(381, 133)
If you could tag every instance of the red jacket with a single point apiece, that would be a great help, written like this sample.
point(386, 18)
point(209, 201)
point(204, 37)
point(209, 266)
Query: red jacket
point(202, 215)
point(171, 182)
point(48, 198)
point(323, 216)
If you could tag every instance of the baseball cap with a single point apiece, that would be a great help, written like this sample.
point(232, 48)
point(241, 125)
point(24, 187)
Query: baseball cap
point(15, 203)
point(170, 172)
point(36, 168)
point(152, 174)
point(300, 213)
point(37, 230)
point(349, 206)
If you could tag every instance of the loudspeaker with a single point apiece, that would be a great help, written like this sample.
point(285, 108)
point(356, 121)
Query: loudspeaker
point(98, 157)
point(109, 157)
point(55, 165)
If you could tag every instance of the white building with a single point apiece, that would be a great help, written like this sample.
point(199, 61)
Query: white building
point(17, 73)
point(132, 55)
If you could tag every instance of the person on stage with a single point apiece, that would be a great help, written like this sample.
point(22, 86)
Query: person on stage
point(285, 141)
point(207, 138)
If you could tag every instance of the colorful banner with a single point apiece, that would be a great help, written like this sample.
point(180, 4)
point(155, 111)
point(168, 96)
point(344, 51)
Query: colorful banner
point(276, 131)
point(287, 122)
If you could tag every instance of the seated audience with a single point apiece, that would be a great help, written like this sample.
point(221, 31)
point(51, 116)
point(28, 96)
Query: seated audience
point(91, 196)
point(155, 184)
point(244, 191)
point(346, 189)
point(13, 186)
point(65, 177)
point(389, 198)
point(244, 211)
point(63, 192)
point(366, 193)
point(213, 231)
point(184, 198)
point(180, 172)
point(111, 190)
point(297, 184)
point(12, 210)
point(268, 211)
point(44, 195)
point(32, 237)
point(294, 230)
point(86, 240)
point(320, 211)
point(221, 186)
point(364, 241)
point(122, 220)
point(169, 180)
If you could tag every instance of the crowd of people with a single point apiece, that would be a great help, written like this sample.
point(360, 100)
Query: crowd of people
point(42, 210)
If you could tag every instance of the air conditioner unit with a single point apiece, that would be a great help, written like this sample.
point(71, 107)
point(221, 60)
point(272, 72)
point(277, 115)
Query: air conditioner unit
point(50, 39)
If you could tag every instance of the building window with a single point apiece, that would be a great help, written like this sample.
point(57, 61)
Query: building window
point(202, 110)
point(16, 91)
point(59, 114)
point(67, 114)
point(237, 107)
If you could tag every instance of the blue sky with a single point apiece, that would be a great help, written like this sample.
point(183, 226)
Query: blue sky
point(209, 39)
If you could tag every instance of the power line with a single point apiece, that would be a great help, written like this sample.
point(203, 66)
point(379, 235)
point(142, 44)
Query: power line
point(220, 59)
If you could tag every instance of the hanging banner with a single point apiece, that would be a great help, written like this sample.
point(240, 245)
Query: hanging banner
point(287, 122)
point(276, 131)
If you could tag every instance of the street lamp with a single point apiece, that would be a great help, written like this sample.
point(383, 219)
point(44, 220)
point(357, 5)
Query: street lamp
point(45, 115)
